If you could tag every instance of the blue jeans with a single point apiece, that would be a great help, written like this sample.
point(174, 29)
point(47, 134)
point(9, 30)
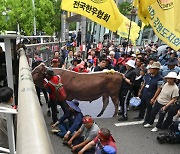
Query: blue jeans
point(64, 128)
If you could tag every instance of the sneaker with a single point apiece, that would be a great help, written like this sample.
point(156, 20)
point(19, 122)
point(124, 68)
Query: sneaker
point(147, 126)
point(155, 129)
point(55, 131)
point(123, 118)
point(144, 123)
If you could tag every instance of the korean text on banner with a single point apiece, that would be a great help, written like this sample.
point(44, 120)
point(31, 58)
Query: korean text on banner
point(104, 12)
point(163, 22)
point(143, 12)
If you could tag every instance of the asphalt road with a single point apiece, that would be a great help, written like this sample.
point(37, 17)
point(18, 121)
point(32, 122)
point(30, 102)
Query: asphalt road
point(130, 138)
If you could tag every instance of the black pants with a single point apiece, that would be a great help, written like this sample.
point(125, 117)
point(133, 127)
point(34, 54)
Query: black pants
point(156, 108)
point(148, 112)
point(124, 98)
point(79, 140)
point(53, 104)
point(38, 90)
point(144, 103)
point(170, 114)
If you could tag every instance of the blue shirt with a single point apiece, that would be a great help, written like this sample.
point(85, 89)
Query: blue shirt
point(151, 85)
point(165, 70)
point(74, 119)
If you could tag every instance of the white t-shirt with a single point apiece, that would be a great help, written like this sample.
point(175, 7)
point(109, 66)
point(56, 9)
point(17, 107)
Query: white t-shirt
point(167, 93)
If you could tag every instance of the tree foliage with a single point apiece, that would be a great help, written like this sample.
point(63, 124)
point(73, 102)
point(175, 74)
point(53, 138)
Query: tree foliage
point(125, 7)
point(72, 26)
point(2, 15)
point(14, 12)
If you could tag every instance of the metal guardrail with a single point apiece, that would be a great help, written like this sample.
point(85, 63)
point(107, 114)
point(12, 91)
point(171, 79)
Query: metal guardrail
point(10, 129)
point(38, 44)
point(32, 134)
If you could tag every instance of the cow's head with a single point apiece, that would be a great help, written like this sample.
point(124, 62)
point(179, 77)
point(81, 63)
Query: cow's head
point(38, 74)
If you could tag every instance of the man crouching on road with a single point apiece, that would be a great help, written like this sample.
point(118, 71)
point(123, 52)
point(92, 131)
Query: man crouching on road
point(84, 135)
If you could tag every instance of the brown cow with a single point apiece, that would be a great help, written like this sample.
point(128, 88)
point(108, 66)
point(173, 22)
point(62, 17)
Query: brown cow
point(84, 86)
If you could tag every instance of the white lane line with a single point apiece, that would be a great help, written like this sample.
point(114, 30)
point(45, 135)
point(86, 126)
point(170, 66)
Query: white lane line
point(131, 123)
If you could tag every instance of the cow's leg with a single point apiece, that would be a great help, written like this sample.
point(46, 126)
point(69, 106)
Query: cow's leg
point(105, 99)
point(115, 100)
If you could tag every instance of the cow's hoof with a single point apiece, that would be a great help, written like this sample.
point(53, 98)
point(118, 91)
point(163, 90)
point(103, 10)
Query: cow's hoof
point(99, 115)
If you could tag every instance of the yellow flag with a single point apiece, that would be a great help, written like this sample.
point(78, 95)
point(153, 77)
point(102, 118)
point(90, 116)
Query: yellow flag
point(123, 30)
point(143, 12)
point(163, 22)
point(142, 26)
point(104, 12)
point(176, 15)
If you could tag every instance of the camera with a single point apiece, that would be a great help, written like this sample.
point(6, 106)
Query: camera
point(171, 138)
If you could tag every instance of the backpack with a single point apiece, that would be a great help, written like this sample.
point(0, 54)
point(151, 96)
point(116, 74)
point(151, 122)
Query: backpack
point(59, 90)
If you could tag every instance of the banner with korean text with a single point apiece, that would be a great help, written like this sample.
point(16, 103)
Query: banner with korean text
point(104, 12)
point(163, 21)
point(143, 12)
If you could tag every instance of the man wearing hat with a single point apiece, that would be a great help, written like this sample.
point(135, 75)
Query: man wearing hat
point(167, 96)
point(84, 135)
point(120, 67)
point(74, 117)
point(126, 88)
point(170, 67)
point(90, 67)
point(149, 91)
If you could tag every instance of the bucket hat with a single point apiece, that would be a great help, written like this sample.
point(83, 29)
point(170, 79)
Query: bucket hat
point(178, 77)
point(171, 75)
point(74, 105)
point(131, 63)
point(156, 65)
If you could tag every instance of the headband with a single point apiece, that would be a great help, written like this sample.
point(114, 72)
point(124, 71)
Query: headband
point(87, 120)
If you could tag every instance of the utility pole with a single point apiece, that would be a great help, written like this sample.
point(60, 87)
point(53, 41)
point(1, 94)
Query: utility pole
point(83, 29)
point(34, 22)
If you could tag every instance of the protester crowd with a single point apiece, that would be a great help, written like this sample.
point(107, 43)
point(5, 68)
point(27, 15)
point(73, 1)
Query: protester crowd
point(148, 73)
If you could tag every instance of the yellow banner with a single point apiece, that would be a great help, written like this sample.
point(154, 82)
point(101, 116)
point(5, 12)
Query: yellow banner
point(176, 15)
point(143, 12)
point(123, 30)
point(104, 12)
point(163, 22)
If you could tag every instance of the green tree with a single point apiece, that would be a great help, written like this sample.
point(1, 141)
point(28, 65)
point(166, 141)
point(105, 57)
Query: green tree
point(3, 15)
point(14, 12)
point(44, 16)
point(125, 7)
point(72, 26)
point(57, 16)
point(20, 12)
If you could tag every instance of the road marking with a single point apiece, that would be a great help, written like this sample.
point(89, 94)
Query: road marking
point(131, 123)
